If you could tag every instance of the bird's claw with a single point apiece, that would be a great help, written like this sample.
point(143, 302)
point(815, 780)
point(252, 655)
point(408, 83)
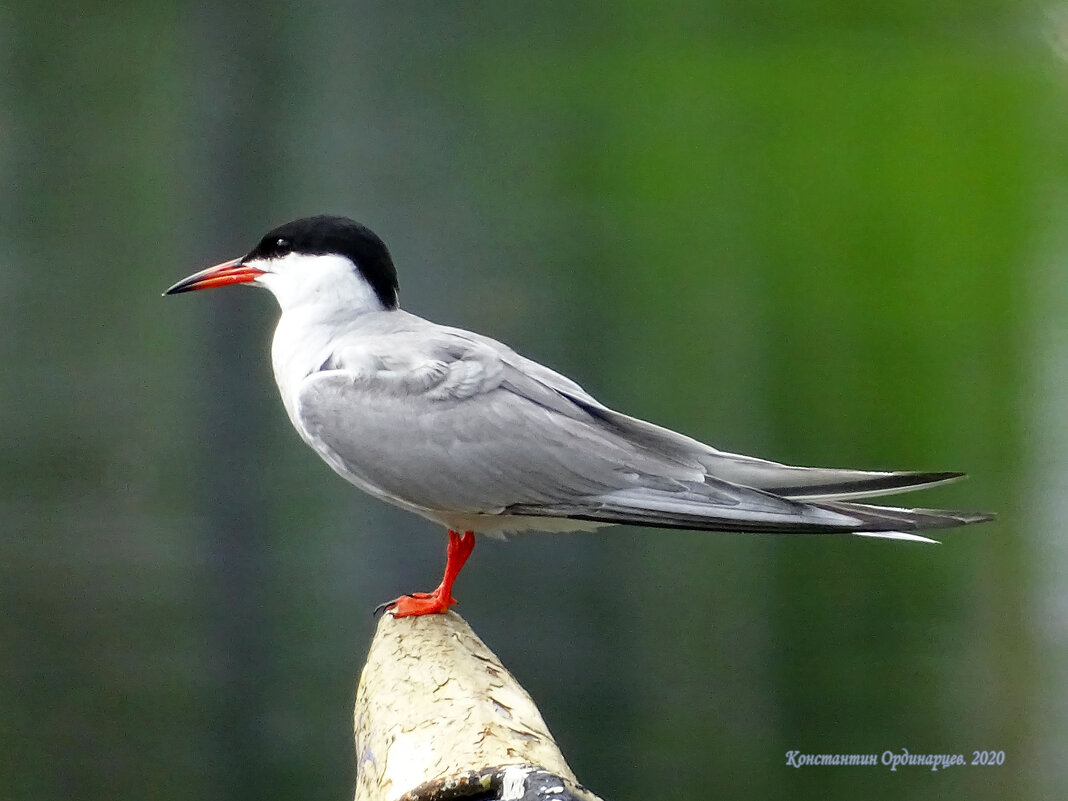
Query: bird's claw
point(417, 603)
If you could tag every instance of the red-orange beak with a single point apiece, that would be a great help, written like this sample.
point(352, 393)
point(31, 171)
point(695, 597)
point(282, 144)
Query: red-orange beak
point(229, 272)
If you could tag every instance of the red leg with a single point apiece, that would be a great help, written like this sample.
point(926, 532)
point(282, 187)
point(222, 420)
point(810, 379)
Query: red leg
point(438, 601)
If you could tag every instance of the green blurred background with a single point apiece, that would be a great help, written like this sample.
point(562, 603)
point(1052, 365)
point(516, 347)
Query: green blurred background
point(824, 233)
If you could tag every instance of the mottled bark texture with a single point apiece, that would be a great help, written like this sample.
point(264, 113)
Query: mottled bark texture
point(438, 717)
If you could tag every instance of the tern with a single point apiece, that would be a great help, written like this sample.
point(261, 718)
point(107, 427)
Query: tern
point(462, 430)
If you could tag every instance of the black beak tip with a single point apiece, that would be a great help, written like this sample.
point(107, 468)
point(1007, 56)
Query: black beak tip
point(185, 285)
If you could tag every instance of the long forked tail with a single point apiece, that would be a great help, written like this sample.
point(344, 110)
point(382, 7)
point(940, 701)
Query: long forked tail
point(883, 517)
point(718, 506)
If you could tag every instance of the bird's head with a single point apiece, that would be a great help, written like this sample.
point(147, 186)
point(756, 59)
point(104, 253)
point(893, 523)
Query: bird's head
point(324, 259)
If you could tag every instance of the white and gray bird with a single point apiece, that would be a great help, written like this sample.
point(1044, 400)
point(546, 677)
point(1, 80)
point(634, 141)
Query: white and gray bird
point(462, 430)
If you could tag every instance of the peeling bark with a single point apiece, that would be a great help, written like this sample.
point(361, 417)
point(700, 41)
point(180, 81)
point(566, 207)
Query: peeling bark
point(438, 717)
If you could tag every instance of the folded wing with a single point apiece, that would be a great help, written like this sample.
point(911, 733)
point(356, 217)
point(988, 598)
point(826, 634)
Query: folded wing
point(465, 426)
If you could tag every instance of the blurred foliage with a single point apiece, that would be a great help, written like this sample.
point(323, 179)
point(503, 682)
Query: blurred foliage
point(817, 232)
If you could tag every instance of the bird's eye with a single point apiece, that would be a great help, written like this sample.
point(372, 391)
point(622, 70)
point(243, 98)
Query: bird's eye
point(284, 245)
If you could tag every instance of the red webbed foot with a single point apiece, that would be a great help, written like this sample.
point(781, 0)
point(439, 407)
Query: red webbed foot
point(438, 601)
point(420, 603)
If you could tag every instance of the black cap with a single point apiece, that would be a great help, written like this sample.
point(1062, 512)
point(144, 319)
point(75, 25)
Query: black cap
point(340, 236)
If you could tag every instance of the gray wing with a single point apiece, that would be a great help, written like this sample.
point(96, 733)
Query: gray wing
point(788, 481)
point(451, 422)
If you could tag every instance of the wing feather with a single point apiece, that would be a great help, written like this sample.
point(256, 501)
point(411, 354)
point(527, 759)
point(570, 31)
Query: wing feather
point(454, 425)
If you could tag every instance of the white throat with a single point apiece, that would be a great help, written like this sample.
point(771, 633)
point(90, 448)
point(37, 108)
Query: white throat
point(320, 296)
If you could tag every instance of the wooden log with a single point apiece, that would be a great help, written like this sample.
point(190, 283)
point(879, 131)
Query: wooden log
point(438, 717)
